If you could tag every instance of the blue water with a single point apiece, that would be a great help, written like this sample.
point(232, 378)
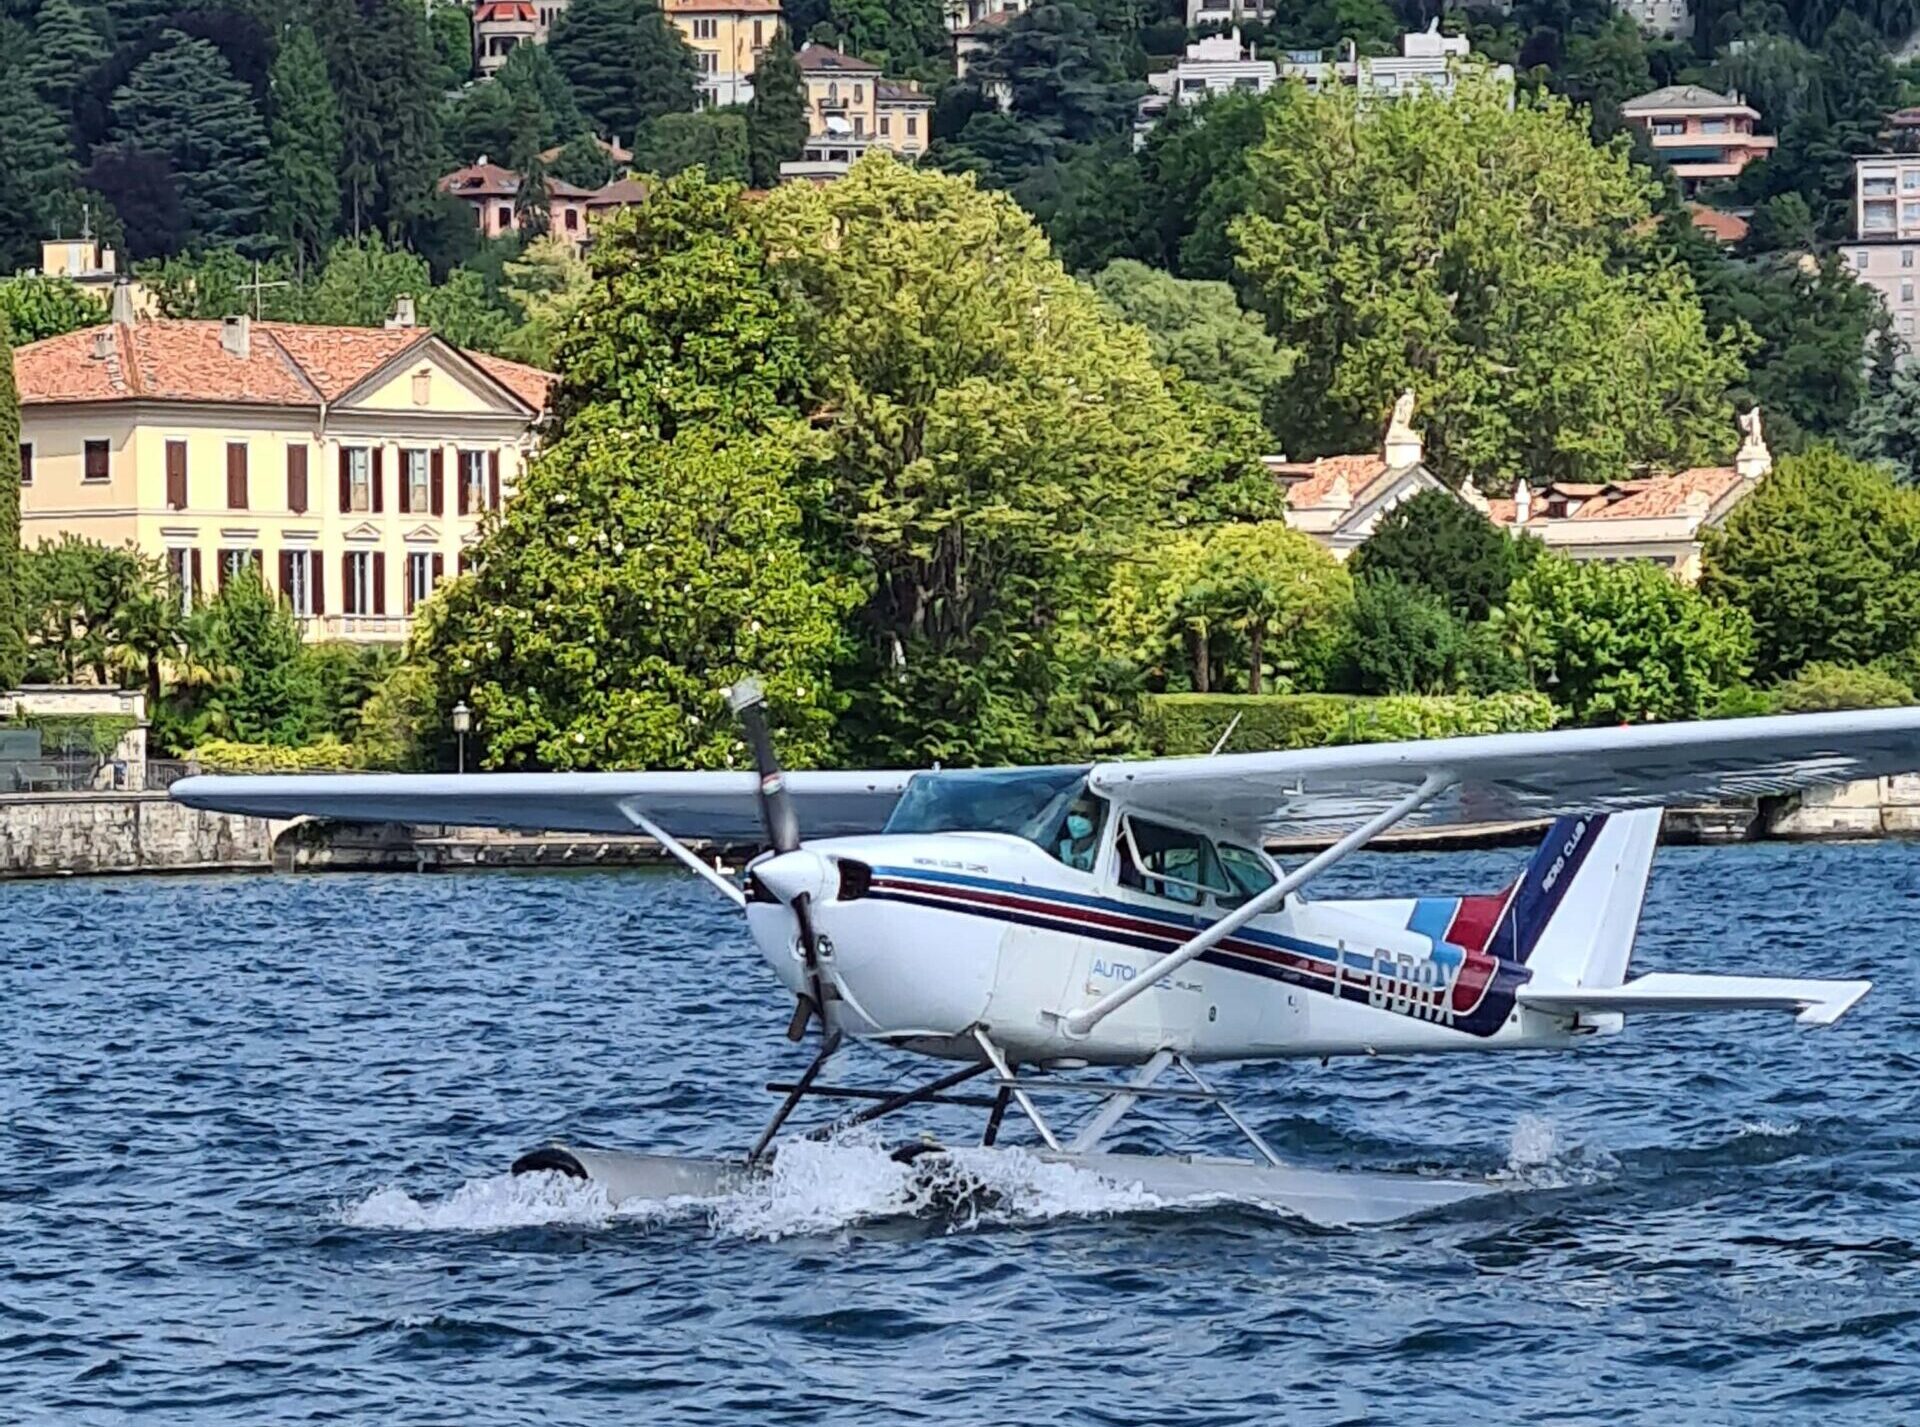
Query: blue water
point(254, 1128)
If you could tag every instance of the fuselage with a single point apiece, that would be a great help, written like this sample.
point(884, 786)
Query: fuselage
point(924, 936)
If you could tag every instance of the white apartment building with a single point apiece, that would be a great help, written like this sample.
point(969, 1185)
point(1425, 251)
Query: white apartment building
point(1885, 253)
point(1218, 64)
point(1670, 19)
point(1427, 60)
point(1227, 12)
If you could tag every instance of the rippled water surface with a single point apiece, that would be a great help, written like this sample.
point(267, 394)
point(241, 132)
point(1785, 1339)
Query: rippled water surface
point(254, 1129)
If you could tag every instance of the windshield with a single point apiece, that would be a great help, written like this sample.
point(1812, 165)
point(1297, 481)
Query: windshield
point(1027, 802)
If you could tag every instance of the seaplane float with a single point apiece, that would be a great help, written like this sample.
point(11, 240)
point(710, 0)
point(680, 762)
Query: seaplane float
point(1053, 932)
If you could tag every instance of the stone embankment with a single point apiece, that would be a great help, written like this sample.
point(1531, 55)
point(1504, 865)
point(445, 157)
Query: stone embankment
point(73, 834)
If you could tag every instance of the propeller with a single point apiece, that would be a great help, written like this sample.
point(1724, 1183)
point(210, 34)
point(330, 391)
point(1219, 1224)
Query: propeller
point(749, 704)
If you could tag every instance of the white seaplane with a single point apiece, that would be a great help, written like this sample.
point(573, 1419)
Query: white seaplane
point(1031, 923)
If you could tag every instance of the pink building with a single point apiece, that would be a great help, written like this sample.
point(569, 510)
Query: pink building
point(493, 192)
point(1705, 137)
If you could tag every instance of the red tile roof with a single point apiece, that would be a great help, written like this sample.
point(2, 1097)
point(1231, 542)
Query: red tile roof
point(1311, 483)
point(287, 364)
point(823, 58)
point(1728, 228)
point(1698, 488)
point(722, 7)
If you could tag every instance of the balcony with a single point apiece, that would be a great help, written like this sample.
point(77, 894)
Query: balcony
point(356, 628)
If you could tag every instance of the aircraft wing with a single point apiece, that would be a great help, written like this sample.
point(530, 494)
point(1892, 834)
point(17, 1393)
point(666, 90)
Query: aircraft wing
point(1510, 777)
point(721, 807)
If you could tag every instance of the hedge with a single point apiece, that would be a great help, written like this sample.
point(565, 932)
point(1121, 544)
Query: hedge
point(1174, 724)
point(219, 755)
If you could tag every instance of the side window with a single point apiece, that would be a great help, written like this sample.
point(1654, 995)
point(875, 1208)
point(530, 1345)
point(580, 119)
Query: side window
point(1246, 869)
point(1167, 862)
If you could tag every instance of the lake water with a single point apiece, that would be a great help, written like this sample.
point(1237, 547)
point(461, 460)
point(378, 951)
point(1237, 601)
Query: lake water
point(254, 1133)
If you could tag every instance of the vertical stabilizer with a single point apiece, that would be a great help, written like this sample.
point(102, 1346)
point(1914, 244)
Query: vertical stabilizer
point(1573, 916)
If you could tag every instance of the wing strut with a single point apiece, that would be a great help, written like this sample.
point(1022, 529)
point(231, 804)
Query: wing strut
point(1079, 1022)
point(686, 855)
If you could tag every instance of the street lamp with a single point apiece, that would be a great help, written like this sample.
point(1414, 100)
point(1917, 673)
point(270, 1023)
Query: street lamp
point(462, 725)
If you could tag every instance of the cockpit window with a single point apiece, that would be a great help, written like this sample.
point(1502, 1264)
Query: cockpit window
point(1246, 869)
point(1027, 802)
point(1075, 839)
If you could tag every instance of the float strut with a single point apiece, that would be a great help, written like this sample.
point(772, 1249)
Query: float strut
point(998, 1113)
point(932, 1091)
point(794, 1096)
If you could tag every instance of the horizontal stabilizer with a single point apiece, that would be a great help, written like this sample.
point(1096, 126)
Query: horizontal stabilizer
point(1815, 1003)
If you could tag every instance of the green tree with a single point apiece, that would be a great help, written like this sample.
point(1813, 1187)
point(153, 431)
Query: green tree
point(546, 285)
point(1627, 643)
point(1199, 329)
point(74, 592)
point(1405, 639)
point(184, 101)
point(364, 280)
point(1886, 426)
point(13, 598)
point(1824, 559)
point(1408, 246)
point(546, 112)
point(36, 307)
point(1436, 542)
point(1197, 175)
point(777, 122)
point(626, 62)
point(38, 175)
point(450, 28)
point(381, 59)
point(583, 163)
point(465, 313)
point(305, 149)
point(266, 688)
point(652, 555)
point(1823, 688)
point(66, 49)
point(993, 441)
point(715, 140)
point(219, 282)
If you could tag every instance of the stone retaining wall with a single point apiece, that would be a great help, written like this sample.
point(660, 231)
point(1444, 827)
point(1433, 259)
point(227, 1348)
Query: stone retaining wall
point(56, 834)
point(1873, 807)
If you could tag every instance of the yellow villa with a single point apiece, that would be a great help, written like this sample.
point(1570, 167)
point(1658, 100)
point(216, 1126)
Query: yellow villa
point(351, 466)
point(727, 37)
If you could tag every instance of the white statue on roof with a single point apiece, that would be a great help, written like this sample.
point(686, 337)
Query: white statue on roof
point(1753, 460)
point(1402, 446)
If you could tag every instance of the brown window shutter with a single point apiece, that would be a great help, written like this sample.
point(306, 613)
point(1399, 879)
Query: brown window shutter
point(349, 596)
point(220, 568)
point(437, 479)
point(346, 482)
point(193, 563)
point(316, 582)
point(379, 582)
point(493, 480)
point(286, 574)
point(377, 463)
point(462, 496)
point(176, 475)
point(403, 486)
point(236, 476)
point(26, 463)
point(297, 479)
point(439, 568)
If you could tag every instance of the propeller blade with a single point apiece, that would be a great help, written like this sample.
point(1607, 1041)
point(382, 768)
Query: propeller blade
point(749, 704)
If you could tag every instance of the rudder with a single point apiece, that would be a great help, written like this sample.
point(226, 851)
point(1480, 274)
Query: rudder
point(1572, 917)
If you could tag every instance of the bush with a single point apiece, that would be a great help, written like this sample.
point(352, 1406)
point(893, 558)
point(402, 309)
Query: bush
point(1175, 724)
point(1821, 688)
point(1405, 641)
point(219, 755)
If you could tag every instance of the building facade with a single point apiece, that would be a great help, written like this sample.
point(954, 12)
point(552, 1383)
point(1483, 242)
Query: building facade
point(492, 194)
point(350, 466)
point(1216, 64)
point(1428, 60)
point(1202, 14)
point(502, 26)
point(1885, 252)
point(1669, 19)
point(964, 14)
point(851, 108)
point(727, 38)
point(1704, 137)
point(1339, 500)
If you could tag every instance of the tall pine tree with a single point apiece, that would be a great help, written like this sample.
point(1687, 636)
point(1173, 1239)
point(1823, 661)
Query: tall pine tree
point(183, 101)
point(66, 49)
point(626, 62)
point(13, 615)
point(304, 206)
point(777, 113)
point(382, 63)
point(37, 171)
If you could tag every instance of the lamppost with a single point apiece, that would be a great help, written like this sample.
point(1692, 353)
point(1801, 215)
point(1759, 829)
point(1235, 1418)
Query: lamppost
point(462, 725)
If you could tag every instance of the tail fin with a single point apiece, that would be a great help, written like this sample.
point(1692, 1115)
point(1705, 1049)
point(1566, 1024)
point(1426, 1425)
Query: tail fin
point(1574, 912)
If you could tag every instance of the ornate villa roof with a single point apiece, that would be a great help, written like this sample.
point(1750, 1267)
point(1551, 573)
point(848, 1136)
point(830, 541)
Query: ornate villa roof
point(511, 12)
point(286, 364)
point(1330, 481)
point(722, 7)
point(824, 59)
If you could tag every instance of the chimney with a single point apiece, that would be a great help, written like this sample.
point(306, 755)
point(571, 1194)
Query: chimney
point(402, 312)
point(1522, 502)
point(236, 335)
point(122, 311)
point(103, 344)
point(109, 261)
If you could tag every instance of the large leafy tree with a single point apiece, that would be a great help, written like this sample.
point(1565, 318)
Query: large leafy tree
point(264, 686)
point(13, 614)
point(183, 101)
point(1824, 558)
point(34, 307)
point(777, 114)
point(74, 592)
point(1627, 643)
point(652, 555)
point(1886, 427)
point(306, 149)
point(717, 140)
point(1436, 542)
point(992, 441)
point(1200, 329)
point(1413, 245)
point(1405, 640)
point(626, 62)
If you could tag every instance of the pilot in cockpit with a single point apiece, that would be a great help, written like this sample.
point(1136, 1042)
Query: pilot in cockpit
point(1079, 839)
